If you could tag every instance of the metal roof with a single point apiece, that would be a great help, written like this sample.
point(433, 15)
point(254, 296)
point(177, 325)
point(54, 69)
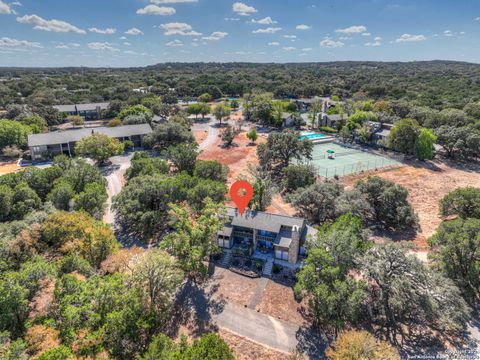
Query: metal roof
point(383, 132)
point(262, 220)
point(226, 231)
point(335, 117)
point(284, 239)
point(82, 107)
point(73, 135)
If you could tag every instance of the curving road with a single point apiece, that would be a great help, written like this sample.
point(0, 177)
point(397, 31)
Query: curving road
point(114, 176)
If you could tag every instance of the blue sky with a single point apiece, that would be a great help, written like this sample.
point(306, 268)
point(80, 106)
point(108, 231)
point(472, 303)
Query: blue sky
point(143, 32)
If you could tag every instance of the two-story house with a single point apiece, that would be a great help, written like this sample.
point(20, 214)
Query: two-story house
point(282, 237)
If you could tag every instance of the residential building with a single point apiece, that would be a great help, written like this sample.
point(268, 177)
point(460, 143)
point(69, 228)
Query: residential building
point(48, 145)
point(380, 136)
point(335, 121)
point(91, 111)
point(257, 232)
point(288, 120)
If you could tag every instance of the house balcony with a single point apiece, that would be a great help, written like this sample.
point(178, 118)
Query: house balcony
point(243, 234)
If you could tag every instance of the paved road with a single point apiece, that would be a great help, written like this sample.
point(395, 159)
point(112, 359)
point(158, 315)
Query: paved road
point(260, 328)
point(114, 176)
point(212, 133)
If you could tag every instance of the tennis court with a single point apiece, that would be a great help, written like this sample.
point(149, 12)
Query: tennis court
point(346, 161)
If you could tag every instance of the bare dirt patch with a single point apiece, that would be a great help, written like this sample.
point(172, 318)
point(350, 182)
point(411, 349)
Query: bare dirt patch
point(279, 206)
point(278, 301)
point(9, 167)
point(42, 300)
point(236, 157)
point(426, 186)
point(234, 287)
point(200, 135)
point(247, 350)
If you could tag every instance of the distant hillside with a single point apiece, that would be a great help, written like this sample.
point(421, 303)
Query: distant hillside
point(437, 84)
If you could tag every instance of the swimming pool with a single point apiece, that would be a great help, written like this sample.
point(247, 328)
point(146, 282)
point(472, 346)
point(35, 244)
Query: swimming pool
point(311, 136)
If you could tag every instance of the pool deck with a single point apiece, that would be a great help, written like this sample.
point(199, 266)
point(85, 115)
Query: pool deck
point(327, 139)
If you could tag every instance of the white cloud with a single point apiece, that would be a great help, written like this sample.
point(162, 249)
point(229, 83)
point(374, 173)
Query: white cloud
point(175, 43)
point(329, 43)
point(269, 30)
point(102, 46)
point(303, 27)
point(130, 52)
point(182, 29)
point(307, 49)
point(126, 43)
point(288, 48)
point(290, 36)
point(156, 10)
point(243, 9)
point(49, 25)
point(231, 19)
point(274, 43)
point(134, 32)
point(123, 38)
point(67, 46)
point(108, 31)
point(410, 38)
point(265, 21)
point(366, 34)
point(217, 35)
point(447, 33)
point(376, 43)
point(5, 41)
point(5, 8)
point(343, 38)
point(172, 1)
point(477, 18)
point(352, 29)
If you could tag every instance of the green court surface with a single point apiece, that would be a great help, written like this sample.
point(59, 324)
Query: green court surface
point(346, 161)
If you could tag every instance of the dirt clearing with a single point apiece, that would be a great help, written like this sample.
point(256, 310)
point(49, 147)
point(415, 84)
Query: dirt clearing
point(278, 301)
point(9, 167)
point(426, 186)
point(248, 350)
point(200, 135)
point(236, 157)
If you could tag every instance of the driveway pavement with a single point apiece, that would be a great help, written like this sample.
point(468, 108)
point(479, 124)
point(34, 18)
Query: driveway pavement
point(260, 328)
point(114, 176)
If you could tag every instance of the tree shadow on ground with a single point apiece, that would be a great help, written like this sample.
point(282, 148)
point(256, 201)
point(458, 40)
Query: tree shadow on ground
point(218, 125)
point(194, 306)
point(231, 146)
point(202, 121)
point(128, 240)
point(312, 342)
point(428, 342)
point(109, 170)
point(467, 166)
point(404, 235)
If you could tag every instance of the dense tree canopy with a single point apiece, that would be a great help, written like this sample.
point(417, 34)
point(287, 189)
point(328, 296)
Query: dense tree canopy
point(99, 147)
point(282, 148)
point(463, 202)
point(456, 245)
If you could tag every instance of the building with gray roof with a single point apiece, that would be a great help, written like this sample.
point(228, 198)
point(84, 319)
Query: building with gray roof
point(280, 236)
point(48, 145)
point(91, 111)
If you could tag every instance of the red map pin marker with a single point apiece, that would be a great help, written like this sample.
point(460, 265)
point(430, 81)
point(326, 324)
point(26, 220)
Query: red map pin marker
point(241, 200)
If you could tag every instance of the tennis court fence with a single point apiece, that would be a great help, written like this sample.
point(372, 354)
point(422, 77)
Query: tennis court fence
point(357, 167)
